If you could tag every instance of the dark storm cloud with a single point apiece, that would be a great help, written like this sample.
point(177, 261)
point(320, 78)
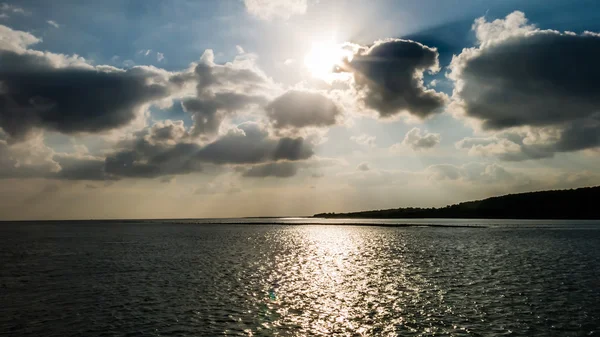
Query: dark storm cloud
point(278, 170)
point(391, 73)
point(297, 109)
point(35, 93)
point(520, 76)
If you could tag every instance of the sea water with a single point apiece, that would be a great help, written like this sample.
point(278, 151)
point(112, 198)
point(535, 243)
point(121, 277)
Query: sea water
point(300, 277)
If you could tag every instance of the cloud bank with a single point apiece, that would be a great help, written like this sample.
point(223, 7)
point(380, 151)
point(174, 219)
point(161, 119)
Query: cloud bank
point(539, 86)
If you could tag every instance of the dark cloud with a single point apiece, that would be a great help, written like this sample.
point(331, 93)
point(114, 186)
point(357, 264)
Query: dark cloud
point(209, 110)
point(146, 160)
point(222, 90)
point(363, 167)
point(249, 144)
point(391, 74)
point(279, 170)
point(298, 109)
point(36, 93)
point(80, 168)
point(253, 145)
point(167, 131)
point(531, 80)
point(165, 149)
point(543, 82)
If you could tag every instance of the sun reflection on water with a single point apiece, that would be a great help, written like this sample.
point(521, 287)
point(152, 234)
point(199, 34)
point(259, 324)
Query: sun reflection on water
point(330, 280)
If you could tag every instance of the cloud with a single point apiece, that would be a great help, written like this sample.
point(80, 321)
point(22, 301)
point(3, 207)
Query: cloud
point(520, 79)
point(65, 94)
point(247, 144)
point(53, 24)
point(253, 145)
point(16, 40)
point(31, 158)
point(390, 76)
point(363, 167)
point(472, 172)
point(364, 139)
point(42, 91)
point(160, 57)
point(298, 109)
point(167, 179)
point(510, 146)
point(167, 132)
point(76, 167)
point(275, 9)
point(4, 8)
point(223, 90)
point(278, 170)
point(421, 140)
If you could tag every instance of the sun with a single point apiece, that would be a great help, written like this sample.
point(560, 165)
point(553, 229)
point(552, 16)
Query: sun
point(324, 58)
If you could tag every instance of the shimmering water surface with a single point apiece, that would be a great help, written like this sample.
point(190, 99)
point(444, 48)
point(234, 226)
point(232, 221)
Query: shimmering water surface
point(176, 278)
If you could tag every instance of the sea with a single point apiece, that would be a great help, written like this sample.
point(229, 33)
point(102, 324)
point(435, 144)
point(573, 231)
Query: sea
point(300, 277)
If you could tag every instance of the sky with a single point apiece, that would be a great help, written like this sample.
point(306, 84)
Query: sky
point(232, 108)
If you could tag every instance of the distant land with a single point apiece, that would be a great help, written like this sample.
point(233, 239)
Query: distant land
point(581, 203)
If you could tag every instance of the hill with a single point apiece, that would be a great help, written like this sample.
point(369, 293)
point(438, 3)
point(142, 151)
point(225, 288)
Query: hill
point(581, 203)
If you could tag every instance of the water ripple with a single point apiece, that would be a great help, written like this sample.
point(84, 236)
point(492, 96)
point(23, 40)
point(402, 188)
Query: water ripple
point(187, 280)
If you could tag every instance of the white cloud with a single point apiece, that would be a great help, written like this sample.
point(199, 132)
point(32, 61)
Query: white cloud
point(364, 139)
point(16, 40)
point(275, 9)
point(53, 24)
point(421, 140)
point(13, 9)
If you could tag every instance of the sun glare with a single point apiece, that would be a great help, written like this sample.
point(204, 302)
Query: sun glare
point(323, 59)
